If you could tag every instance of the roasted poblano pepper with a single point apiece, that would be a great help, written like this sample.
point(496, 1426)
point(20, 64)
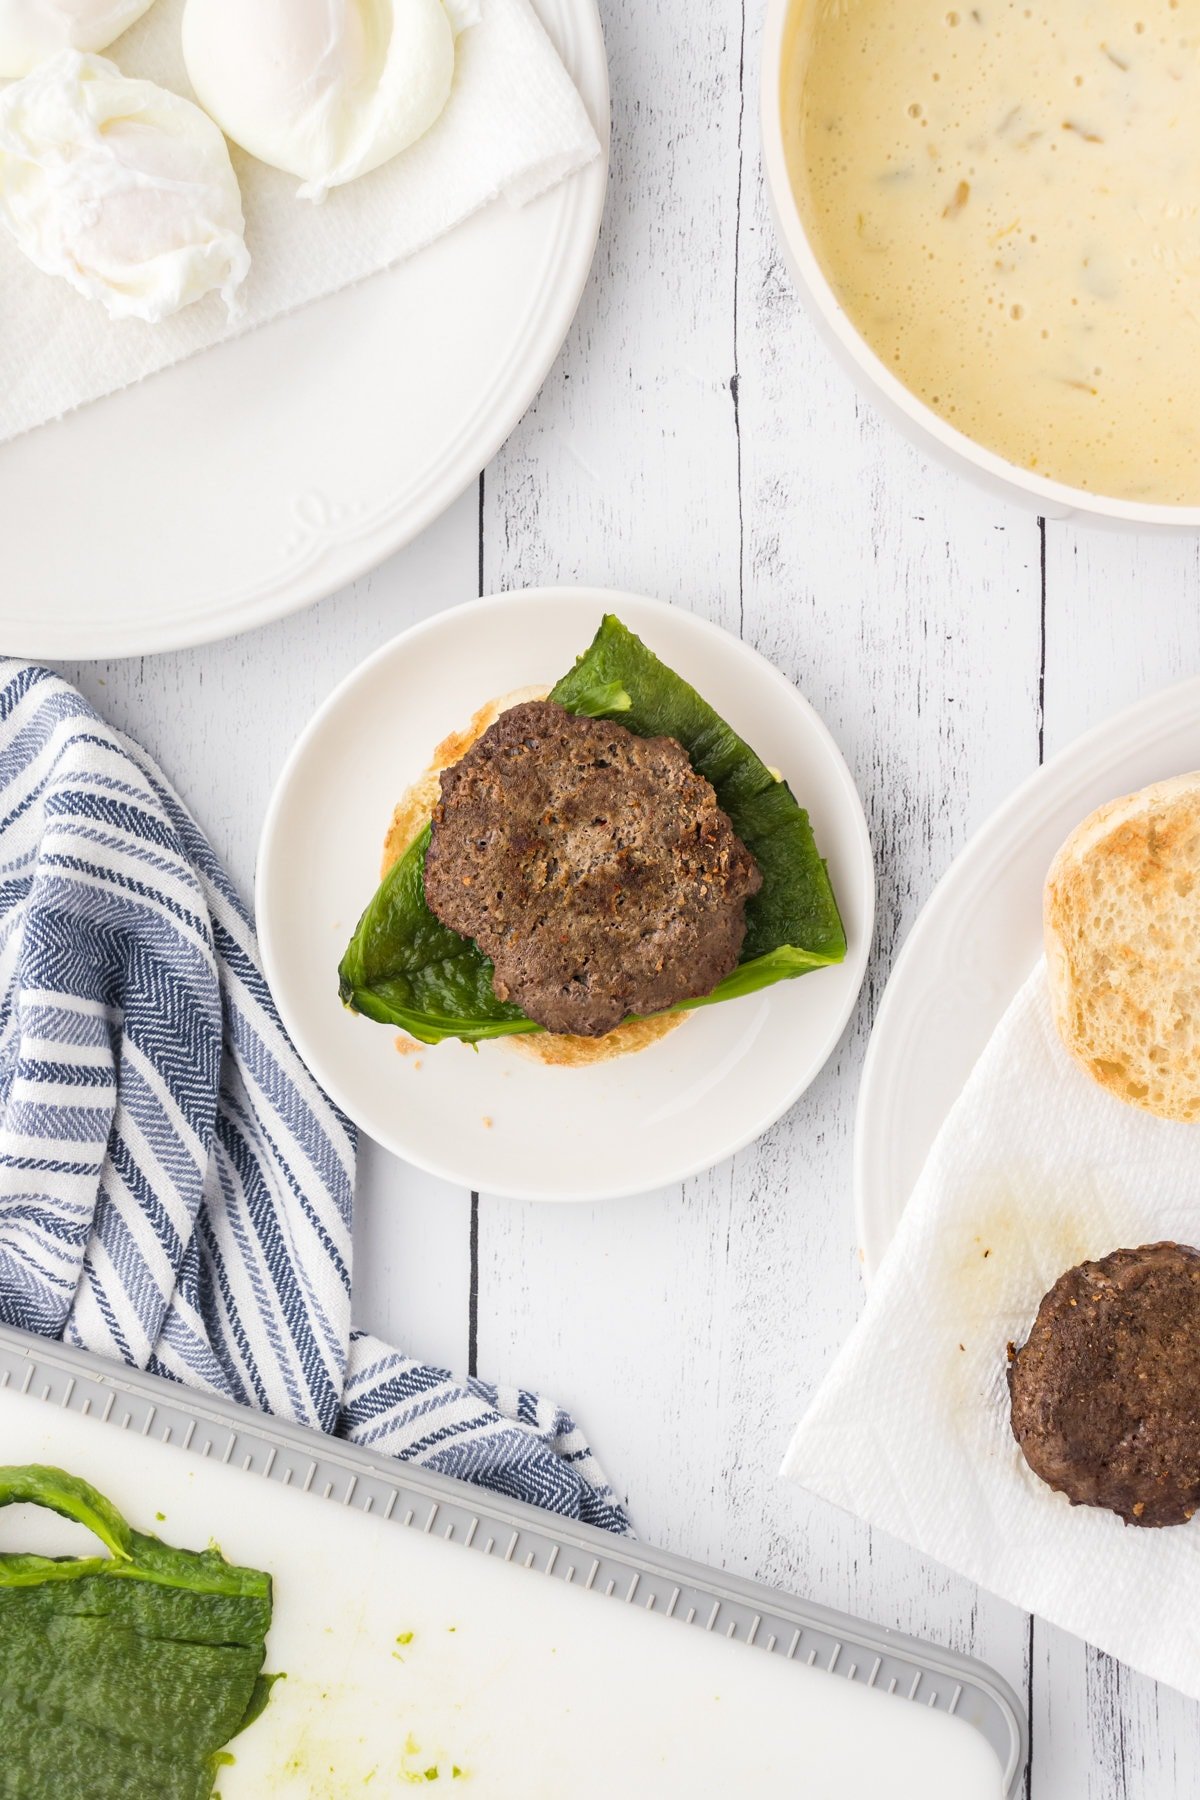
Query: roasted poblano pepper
point(123, 1675)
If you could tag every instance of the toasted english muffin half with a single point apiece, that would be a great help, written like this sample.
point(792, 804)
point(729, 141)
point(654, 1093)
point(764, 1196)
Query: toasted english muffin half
point(1122, 931)
point(411, 815)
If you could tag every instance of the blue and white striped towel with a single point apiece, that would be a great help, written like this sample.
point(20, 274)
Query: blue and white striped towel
point(175, 1190)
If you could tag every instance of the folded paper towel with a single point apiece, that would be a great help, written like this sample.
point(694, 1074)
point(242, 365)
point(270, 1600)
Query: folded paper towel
point(1035, 1169)
point(514, 127)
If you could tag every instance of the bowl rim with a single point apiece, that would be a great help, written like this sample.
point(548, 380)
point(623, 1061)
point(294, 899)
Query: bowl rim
point(1053, 498)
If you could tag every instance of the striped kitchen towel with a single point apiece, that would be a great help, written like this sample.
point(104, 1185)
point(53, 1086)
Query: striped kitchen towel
point(175, 1190)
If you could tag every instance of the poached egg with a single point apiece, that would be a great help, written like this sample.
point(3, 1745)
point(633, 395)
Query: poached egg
point(31, 30)
point(324, 89)
point(120, 187)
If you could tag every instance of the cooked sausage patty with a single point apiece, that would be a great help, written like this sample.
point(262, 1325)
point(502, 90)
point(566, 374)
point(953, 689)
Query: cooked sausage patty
point(593, 867)
point(1106, 1390)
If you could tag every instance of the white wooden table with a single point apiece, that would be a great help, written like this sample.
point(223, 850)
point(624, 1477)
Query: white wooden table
point(696, 442)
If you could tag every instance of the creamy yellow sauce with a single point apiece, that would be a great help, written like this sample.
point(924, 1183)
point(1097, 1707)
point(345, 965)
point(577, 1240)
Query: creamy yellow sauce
point(1006, 200)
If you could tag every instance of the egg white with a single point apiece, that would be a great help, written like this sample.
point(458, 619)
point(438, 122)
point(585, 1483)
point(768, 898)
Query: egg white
point(120, 187)
point(324, 89)
point(31, 30)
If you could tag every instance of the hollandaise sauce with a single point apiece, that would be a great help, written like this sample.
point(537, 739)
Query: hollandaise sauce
point(1006, 200)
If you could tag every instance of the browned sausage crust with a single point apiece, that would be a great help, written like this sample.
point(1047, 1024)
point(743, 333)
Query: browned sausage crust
point(1106, 1389)
point(593, 867)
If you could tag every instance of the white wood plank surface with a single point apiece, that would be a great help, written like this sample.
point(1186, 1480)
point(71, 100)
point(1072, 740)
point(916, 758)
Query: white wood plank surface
point(695, 441)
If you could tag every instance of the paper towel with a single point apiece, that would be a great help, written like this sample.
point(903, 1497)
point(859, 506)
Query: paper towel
point(514, 126)
point(1035, 1169)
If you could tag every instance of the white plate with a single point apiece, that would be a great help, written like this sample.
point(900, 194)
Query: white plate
point(492, 1119)
point(976, 940)
point(264, 473)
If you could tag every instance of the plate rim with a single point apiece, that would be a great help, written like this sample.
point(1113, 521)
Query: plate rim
point(1103, 748)
point(863, 878)
point(346, 555)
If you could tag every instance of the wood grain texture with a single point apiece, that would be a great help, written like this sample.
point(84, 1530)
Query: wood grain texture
point(696, 441)
point(221, 722)
point(1122, 620)
point(916, 614)
point(833, 549)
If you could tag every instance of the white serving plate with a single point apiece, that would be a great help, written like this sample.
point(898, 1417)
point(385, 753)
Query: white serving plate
point(492, 1119)
point(976, 940)
point(918, 422)
point(258, 476)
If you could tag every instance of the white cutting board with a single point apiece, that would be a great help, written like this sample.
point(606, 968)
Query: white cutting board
point(534, 1690)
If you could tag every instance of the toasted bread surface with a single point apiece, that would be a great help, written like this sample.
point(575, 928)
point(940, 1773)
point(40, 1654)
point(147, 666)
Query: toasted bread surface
point(1122, 934)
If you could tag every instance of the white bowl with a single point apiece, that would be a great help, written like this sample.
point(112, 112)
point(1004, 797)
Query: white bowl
point(491, 1119)
point(930, 432)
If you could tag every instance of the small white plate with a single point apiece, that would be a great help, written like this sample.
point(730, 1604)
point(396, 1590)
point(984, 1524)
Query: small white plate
point(976, 940)
point(258, 476)
point(492, 1119)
